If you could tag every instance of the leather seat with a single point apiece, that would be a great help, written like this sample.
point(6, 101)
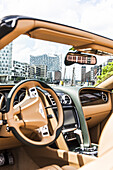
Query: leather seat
point(105, 152)
point(52, 167)
point(56, 167)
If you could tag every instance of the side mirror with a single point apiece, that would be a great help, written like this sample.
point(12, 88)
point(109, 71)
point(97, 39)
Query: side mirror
point(80, 58)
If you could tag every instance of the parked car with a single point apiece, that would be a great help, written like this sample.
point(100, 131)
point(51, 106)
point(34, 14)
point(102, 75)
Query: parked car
point(60, 127)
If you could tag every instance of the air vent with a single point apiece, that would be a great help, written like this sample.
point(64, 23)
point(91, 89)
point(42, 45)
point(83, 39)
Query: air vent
point(104, 97)
point(66, 99)
point(51, 100)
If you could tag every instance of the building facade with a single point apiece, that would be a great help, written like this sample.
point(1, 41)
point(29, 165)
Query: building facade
point(6, 63)
point(32, 72)
point(25, 71)
point(20, 70)
point(41, 71)
point(88, 76)
point(54, 76)
point(83, 73)
point(53, 63)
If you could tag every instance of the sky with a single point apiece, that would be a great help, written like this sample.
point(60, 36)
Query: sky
point(91, 15)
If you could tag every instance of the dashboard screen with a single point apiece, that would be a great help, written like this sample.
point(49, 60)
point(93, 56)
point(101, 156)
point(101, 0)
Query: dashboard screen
point(69, 117)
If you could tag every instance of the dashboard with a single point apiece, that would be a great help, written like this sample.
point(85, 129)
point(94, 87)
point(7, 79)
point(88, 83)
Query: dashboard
point(93, 106)
point(71, 118)
point(3, 97)
point(90, 97)
point(80, 105)
point(96, 105)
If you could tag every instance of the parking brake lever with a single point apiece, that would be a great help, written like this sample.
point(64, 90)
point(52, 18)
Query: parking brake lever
point(78, 132)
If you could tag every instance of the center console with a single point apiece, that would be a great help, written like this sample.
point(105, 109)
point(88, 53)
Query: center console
point(92, 150)
point(71, 129)
point(73, 134)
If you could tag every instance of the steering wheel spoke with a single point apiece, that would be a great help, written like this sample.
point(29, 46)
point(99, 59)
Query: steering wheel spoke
point(34, 124)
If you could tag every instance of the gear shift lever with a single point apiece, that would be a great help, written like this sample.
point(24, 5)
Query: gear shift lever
point(78, 132)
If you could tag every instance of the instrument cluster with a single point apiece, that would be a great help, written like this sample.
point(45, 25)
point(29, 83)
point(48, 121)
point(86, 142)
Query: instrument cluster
point(3, 98)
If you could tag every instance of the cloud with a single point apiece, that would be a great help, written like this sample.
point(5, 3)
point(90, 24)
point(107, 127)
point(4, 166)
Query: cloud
point(91, 15)
point(97, 18)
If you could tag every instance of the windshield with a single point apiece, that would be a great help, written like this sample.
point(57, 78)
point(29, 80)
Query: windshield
point(27, 58)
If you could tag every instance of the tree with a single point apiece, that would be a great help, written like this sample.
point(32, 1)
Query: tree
point(107, 71)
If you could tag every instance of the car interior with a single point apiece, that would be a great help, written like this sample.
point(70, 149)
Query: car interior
point(55, 127)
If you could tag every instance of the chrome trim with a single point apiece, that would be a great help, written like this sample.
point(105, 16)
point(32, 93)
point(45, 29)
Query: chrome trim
point(68, 130)
point(104, 97)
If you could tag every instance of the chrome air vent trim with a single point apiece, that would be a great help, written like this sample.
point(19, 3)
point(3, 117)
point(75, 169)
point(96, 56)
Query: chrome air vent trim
point(104, 97)
point(66, 99)
point(51, 100)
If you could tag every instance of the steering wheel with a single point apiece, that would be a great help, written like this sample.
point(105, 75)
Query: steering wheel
point(30, 113)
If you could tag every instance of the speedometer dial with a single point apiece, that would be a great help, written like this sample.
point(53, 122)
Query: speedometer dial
point(2, 101)
point(21, 97)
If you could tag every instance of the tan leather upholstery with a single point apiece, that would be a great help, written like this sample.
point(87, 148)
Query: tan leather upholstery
point(56, 167)
point(105, 151)
point(105, 163)
point(106, 139)
point(52, 167)
point(105, 160)
point(67, 167)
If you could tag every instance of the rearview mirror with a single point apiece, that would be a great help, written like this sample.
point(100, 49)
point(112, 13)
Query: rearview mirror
point(80, 58)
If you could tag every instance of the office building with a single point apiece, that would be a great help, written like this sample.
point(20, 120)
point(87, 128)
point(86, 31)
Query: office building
point(32, 72)
point(54, 75)
point(38, 71)
point(41, 71)
point(20, 70)
point(83, 73)
point(5, 63)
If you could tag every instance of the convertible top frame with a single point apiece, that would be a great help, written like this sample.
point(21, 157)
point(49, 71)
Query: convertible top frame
point(13, 26)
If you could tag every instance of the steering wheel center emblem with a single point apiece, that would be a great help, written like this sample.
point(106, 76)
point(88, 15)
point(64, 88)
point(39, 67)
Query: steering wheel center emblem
point(41, 111)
